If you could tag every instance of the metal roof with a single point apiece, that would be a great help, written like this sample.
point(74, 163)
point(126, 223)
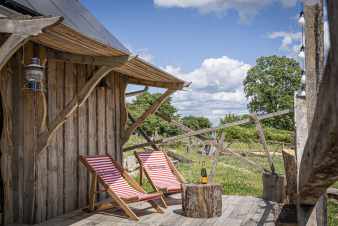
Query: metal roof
point(75, 15)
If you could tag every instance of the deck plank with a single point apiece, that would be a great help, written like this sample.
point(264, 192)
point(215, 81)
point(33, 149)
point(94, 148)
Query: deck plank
point(237, 211)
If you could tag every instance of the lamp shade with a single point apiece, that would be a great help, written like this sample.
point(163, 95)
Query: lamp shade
point(34, 72)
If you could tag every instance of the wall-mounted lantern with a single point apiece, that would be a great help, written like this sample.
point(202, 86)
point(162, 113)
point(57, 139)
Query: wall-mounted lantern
point(301, 19)
point(34, 75)
point(302, 52)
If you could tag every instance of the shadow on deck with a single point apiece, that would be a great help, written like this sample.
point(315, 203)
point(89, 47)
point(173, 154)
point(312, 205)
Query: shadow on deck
point(237, 211)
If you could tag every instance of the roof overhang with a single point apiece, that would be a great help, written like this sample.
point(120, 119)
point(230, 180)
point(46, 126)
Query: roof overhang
point(65, 39)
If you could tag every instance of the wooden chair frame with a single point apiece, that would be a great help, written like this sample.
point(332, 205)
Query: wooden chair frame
point(142, 169)
point(120, 202)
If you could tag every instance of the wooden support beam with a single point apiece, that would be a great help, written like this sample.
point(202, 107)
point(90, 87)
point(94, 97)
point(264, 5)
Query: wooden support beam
point(262, 140)
point(21, 30)
point(77, 101)
point(208, 130)
point(161, 84)
point(318, 168)
point(152, 109)
point(84, 59)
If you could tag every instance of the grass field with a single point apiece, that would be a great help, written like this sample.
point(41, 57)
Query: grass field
point(235, 175)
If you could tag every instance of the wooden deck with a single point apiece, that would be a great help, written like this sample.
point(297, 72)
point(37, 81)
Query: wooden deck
point(237, 211)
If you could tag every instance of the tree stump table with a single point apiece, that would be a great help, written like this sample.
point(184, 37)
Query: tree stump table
point(202, 200)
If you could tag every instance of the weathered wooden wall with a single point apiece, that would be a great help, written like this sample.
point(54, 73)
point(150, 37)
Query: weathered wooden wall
point(60, 182)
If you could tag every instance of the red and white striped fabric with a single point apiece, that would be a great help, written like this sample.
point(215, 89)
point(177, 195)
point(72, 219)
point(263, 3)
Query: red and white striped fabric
point(157, 167)
point(111, 176)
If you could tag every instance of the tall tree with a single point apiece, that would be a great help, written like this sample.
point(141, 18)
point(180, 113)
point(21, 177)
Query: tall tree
point(196, 123)
point(270, 86)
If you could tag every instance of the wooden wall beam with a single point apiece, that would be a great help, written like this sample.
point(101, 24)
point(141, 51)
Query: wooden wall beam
point(318, 168)
point(152, 109)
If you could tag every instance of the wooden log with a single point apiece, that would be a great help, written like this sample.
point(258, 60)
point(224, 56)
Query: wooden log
point(273, 187)
point(202, 200)
point(290, 166)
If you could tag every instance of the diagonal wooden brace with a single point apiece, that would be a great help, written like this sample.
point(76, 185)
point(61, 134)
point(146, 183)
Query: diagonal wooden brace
point(21, 30)
point(151, 110)
point(79, 100)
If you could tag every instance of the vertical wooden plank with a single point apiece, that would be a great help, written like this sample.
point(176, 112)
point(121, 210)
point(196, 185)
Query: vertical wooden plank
point(7, 144)
point(101, 119)
point(29, 141)
point(70, 141)
point(60, 83)
point(117, 119)
point(123, 113)
point(18, 138)
point(52, 190)
point(109, 122)
point(41, 193)
point(82, 141)
point(92, 136)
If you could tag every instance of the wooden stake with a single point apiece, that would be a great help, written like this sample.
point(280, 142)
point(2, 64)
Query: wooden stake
point(262, 140)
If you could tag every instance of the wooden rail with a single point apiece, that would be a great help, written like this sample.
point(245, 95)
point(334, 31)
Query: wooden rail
point(207, 130)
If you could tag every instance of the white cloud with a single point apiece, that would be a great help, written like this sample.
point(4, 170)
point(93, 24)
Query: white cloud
point(289, 39)
point(216, 88)
point(246, 9)
point(290, 43)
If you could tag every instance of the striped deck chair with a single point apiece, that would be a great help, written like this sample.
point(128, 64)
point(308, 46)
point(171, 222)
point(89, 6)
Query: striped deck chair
point(117, 183)
point(160, 171)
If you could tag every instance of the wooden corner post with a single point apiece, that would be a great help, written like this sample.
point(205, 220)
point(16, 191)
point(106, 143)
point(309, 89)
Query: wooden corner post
point(20, 30)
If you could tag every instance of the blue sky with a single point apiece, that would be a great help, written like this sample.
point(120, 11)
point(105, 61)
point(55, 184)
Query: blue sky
point(212, 43)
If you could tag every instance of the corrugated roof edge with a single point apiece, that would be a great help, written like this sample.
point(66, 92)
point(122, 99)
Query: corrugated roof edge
point(24, 9)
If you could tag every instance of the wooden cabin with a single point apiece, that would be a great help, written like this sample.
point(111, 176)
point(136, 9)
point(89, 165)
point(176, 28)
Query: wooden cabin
point(78, 108)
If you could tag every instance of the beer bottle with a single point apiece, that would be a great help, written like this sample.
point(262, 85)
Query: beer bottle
point(204, 175)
